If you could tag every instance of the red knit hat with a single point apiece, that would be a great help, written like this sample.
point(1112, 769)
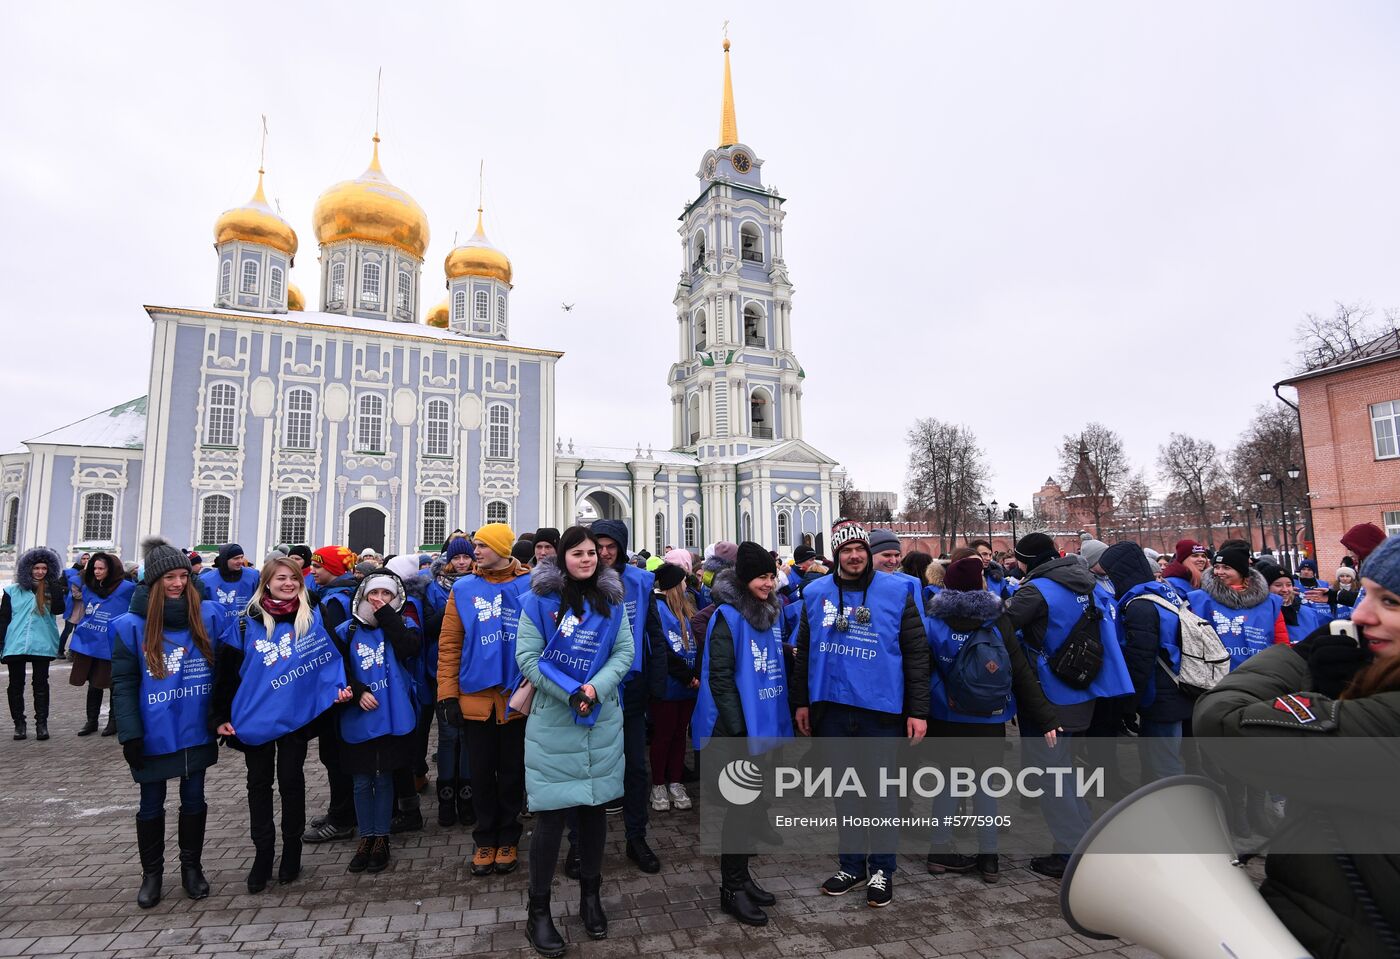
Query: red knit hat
point(336, 560)
point(1185, 547)
point(1362, 539)
point(965, 575)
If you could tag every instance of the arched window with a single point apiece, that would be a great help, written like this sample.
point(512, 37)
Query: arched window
point(498, 432)
point(369, 284)
point(296, 430)
point(698, 249)
point(275, 281)
point(692, 417)
point(215, 520)
point(338, 283)
point(481, 312)
point(750, 243)
point(754, 326)
point(784, 528)
point(659, 533)
point(11, 521)
point(226, 278)
point(497, 511)
point(292, 520)
point(501, 311)
point(746, 528)
point(404, 296)
point(369, 428)
point(436, 440)
point(99, 510)
point(692, 532)
point(434, 523)
point(222, 415)
point(701, 340)
point(459, 306)
point(250, 277)
point(761, 414)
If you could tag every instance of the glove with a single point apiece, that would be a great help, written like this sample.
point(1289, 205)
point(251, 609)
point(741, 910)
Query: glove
point(578, 698)
point(450, 711)
point(134, 751)
point(1332, 660)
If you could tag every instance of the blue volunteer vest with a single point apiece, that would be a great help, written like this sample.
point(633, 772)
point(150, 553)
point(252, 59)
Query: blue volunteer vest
point(944, 646)
point(1065, 608)
point(637, 585)
point(285, 681)
point(489, 613)
point(1168, 632)
point(174, 710)
point(862, 666)
point(792, 618)
point(90, 636)
point(671, 624)
point(1244, 632)
point(931, 591)
point(1181, 587)
point(575, 649)
point(372, 662)
point(1316, 584)
point(1310, 617)
point(233, 597)
point(760, 679)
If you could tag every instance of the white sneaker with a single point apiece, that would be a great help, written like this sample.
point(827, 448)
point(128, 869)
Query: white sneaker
point(679, 798)
point(660, 802)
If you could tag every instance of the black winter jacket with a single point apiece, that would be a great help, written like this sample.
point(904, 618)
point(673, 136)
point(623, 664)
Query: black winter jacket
point(723, 688)
point(1030, 615)
point(1128, 567)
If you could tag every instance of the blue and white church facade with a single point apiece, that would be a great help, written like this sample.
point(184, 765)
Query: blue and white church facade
point(266, 423)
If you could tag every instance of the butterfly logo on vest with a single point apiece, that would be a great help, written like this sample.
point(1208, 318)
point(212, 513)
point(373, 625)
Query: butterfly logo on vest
point(1226, 626)
point(226, 598)
point(89, 609)
point(566, 625)
point(760, 657)
point(674, 639)
point(485, 610)
point(172, 661)
point(830, 612)
point(370, 657)
point(271, 651)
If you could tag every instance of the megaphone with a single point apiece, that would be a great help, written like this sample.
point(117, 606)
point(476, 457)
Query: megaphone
point(1123, 883)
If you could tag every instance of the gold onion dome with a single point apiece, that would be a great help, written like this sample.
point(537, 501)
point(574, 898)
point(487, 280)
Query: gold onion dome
point(372, 209)
point(256, 222)
point(437, 316)
point(295, 301)
point(477, 257)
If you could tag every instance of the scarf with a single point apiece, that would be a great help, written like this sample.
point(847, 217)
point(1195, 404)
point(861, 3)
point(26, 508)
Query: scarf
point(280, 607)
point(177, 613)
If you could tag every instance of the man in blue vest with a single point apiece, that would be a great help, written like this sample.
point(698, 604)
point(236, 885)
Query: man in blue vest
point(231, 583)
point(862, 670)
point(992, 571)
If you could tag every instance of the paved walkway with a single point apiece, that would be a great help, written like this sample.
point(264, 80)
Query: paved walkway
point(69, 883)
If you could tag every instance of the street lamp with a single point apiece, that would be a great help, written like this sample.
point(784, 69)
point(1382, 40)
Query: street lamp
point(988, 511)
point(1227, 519)
point(1267, 478)
point(1263, 532)
point(1013, 513)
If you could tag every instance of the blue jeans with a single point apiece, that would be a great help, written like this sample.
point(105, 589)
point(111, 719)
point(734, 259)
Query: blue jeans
point(191, 796)
point(865, 849)
point(452, 753)
point(982, 805)
point(1068, 816)
point(374, 803)
point(1159, 749)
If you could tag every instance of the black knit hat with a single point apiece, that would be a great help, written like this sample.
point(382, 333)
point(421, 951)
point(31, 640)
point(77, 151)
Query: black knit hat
point(803, 553)
point(752, 562)
point(669, 576)
point(159, 558)
point(1035, 548)
point(1236, 559)
point(547, 534)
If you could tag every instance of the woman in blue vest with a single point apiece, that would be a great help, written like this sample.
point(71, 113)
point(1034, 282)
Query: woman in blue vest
point(100, 595)
point(954, 616)
point(378, 722)
point(743, 693)
point(1301, 618)
point(574, 643)
point(1237, 602)
point(162, 685)
point(277, 671)
point(29, 632)
point(675, 666)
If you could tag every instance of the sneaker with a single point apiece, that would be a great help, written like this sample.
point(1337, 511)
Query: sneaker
point(360, 860)
point(941, 862)
point(842, 883)
point(378, 855)
point(988, 868)
point(484, 861)
point(507, 858)
point(660, 802)
point(322, 829)
point(679, 798)
point(1052, 866)
point(880, 890)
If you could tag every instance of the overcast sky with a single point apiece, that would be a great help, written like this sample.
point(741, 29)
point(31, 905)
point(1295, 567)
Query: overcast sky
point(1017, 216)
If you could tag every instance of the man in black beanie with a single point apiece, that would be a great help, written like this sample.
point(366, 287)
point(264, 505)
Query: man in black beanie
point(232, 582)
point(546, 544)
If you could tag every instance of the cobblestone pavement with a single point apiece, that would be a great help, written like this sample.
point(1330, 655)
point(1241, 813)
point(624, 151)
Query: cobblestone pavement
point(68, 885)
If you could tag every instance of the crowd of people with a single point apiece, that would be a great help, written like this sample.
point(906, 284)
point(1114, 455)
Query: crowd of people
point(567, 677)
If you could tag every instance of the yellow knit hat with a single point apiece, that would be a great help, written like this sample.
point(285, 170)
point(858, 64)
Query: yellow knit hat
point(497, 537)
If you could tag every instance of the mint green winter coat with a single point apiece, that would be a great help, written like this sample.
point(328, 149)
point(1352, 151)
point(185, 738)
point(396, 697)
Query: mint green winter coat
point(567, 764)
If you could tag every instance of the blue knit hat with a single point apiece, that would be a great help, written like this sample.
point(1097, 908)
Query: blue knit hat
point(1383, 565)
point(457, 546)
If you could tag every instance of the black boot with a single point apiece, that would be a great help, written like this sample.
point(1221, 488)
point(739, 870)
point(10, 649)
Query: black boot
point(590, 907)
point(466, 809)
point(150, 846)
point(41, 713)
point(737, 903)
point(17, 711)
point(572, 869)
point(111, 728)
point(290, 867)
point(191, 836)
point(265, 852)
point(540, 930)
point(759, 895)
point(447, 802)
point(94, 711)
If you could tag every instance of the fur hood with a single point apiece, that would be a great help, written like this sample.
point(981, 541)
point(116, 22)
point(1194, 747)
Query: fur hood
point(1255, 590)
point(951, 604)
point(761, 616)
point(714, 565)
point(24, 571)
point(115, 573)
point(547, 579)
point(416, 587)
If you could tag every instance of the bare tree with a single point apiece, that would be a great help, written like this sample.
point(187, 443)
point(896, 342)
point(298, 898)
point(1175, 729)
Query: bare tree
point(1192, 468)
point(1272, 444)
point(945, 478)
point(1327, 339)
point(848, 502)
point(1135, 502)
point(1098, 467)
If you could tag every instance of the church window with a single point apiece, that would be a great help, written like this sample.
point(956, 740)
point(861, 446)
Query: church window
point(746, 528)
point(659, 534)
point(692, 533)
point(434, 523)
point(784, 528)
point(699, 250)
point(226, 278)
point(250, 277)
point(436, 435)
point(369, 284)
point(498, 432)
point(275, 281)
point(501, 312)
point(292, 520)
point(296, 431)
point(497, 512)
point(760, 414)
point(481, 312)
point(220, 423)
point(99, 510)
point(750, 243)
point(700, 340)
point(404, 296)
point(459, 306)
point(753, 326)
point(338, 283)
point(11, 521)
point(215, 520)
point(369, 428)
point(692, 417)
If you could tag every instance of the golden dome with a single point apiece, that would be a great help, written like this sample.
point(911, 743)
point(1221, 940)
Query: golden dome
point(295, 301)
point(477, 257)
point(256, 222)
point(372, 209)
point(437, 316)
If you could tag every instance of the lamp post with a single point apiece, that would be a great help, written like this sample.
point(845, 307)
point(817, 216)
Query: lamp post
point(988, 510)
point(1263, 531)
point(1267, 477)
point(1013, 513)
point(1227, 519)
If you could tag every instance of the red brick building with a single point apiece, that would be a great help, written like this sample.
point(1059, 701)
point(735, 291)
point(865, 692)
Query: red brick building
point(1350, 413)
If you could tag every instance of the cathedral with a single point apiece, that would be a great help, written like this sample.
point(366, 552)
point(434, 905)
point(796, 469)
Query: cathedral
point(362, 424)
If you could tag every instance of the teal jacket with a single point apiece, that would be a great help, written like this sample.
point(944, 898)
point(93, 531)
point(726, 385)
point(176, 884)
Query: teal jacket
point(567, 764)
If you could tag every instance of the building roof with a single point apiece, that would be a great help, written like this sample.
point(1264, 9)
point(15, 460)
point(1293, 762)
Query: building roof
point(1384, 347)
point(623, 454)
point(122, 427)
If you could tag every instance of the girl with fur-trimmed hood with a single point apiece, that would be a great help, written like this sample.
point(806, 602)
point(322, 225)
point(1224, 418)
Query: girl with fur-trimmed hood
point(29, 633)
point(1235, 600)
point(98, 596)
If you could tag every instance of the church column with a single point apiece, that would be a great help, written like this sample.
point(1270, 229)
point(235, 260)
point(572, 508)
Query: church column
point(797, 403)
point(787, 326)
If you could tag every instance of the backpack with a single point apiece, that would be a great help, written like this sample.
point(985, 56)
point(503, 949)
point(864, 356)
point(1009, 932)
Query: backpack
point(978, 681)
point(1080, 657)
point(1204, 658)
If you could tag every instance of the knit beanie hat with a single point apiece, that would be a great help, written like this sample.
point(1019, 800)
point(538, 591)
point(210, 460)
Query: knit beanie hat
point(1362, 539)
point(497, 537)
point(1092, 551)
point(523, 551)
point(1184, 548)
point(1308, 564)
point(727, 552)
point(1236, 559)
point(159, 558)
point(459, 546)
point(1344, 570)
point(654, 563)
point(678, 557)
point(404, 567)
point(227, 552)
point(882, 540)
point(547, 534)
point(803, 553)
point(1270, 570)
point(964, 576)
point(1035, 548)
point(1383, 564)
point(669, 575)
point(847, 531)
point(336, 560)
point(752, 561)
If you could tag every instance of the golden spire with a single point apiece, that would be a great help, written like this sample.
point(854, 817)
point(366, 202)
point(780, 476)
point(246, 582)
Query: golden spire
point(728, 126)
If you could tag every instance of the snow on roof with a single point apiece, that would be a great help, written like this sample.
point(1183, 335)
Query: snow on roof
point(623, 454)
point(121, 427)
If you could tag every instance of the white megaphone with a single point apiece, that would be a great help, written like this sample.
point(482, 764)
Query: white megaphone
point(1123, 883)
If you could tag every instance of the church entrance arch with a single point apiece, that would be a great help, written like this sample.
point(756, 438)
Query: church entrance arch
point(365, 530)
point(601, 504)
